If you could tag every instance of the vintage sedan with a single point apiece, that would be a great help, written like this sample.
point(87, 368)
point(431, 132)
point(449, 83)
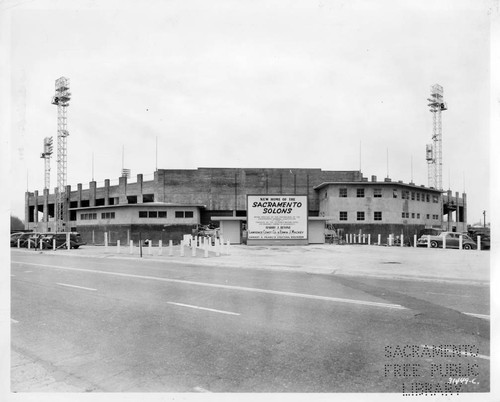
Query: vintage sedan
point(452, 241)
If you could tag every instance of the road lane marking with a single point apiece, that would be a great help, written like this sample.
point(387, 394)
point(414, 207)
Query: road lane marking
point(466, 354)
point(74, 286)
point(14, 321)
point(230, 287)
point(204, 308)
point(483, 316)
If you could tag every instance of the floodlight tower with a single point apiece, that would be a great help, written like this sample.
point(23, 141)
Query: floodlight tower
point(434, 151)
point(46, 154)
point(61, 99)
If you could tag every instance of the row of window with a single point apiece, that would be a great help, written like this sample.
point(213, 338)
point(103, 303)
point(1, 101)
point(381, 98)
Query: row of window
point(405, 194)
point(93, 216)
point(360, 215)
point(163, 214)
point(377, 215)
point(142, 214)
point(417, 215)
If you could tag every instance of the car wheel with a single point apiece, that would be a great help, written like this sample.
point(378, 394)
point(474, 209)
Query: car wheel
point(434, 244)
point(467, 247)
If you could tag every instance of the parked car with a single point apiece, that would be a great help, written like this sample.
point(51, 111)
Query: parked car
point(485, 236)
point(28, 237)
point(452, 241)
point(75, 240)
point(14, 237)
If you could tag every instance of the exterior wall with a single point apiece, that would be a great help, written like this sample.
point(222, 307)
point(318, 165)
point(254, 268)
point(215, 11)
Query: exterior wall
point(391, 208)
point(94, 234)
point(130, 216)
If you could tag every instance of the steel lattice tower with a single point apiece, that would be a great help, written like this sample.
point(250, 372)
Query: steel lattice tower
point(434, 151)
point(46, 154)
point(61, 99)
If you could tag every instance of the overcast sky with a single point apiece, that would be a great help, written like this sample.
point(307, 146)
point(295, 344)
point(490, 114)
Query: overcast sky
point(252, 84)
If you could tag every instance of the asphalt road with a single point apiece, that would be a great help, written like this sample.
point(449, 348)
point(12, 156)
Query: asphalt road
point(103, 324)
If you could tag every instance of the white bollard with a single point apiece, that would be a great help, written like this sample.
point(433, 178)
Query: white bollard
point(217, 247)
point(379, 239)
point(414, 240)
point(68, 244)
point(118, 246)
point(106, 241)
point(160, 247)
point(460, 242)
point(227, 248)
point(193, 249)
point(364, 240)
point(170, 248)
point(182, 248)
point(479, 242)
point(428, 241)
point(150, 249)
point(18, 243)
point(29, 243)
point(54, 244)
point(369, 239)
point(402, 239)
point(444, 242)
point(131, 246)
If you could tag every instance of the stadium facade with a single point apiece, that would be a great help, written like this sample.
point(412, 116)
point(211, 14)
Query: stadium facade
point(174, 201)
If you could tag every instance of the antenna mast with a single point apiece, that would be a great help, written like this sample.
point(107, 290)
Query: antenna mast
point(61, 100)
point(434, 151)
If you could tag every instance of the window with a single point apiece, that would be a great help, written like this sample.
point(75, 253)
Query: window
point(394, 193)
point(377, 216)
point(188, 214)
point(418, 216)
point(343, 192)
point(162, 214)
point(427, 198)
point(360, 216)
point(143, 214)
point(418, 196)
point(343, 215)
point(107, 215)
point(413, 215)
point(428, 216)
point(403, 215)
point(153, 214)
point(179, 214)
point(360, 192)
point(405, 195)
point(407, 214)
point(377, 193)
point(89, 216)
point(131, 199)
point(148, 198)
point(435, 199)
point(413, 195)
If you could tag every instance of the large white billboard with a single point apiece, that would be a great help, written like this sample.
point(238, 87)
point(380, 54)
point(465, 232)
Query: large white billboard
point(277, 217)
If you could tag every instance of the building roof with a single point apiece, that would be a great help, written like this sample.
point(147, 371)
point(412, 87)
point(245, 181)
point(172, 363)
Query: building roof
point(378, 183)
point(141, 205)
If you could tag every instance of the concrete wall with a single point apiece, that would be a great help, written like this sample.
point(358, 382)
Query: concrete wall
point(392, 208)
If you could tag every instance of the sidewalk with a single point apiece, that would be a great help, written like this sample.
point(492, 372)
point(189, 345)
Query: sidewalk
point(469, 266)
